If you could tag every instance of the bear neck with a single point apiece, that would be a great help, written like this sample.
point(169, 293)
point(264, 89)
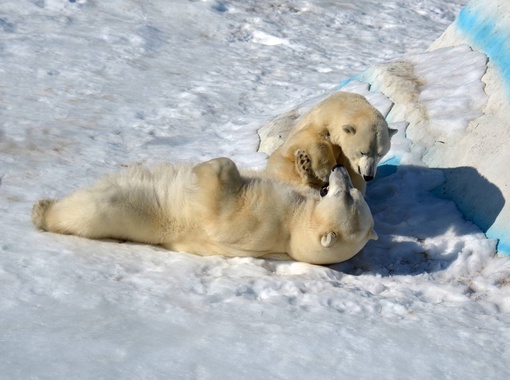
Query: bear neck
point(302, 210)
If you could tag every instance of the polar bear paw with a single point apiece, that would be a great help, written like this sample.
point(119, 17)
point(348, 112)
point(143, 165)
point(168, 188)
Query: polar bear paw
point(303, 165)
point(39, 212)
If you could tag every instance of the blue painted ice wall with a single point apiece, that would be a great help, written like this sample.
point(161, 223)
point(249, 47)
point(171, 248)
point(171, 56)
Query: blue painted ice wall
point(477, 163)
point(484, 25)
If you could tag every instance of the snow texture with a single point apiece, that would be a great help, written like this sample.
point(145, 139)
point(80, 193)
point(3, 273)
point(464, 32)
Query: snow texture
point(87, 87)
point(483, 145)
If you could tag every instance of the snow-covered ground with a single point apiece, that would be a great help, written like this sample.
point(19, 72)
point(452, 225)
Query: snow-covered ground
point(87, 87)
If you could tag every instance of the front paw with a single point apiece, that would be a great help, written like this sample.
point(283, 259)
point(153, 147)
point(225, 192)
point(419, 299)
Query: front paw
point(323, 173)
point(303, 164)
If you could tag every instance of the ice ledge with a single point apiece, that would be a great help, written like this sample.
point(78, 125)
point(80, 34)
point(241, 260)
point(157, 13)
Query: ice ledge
point(459, 129)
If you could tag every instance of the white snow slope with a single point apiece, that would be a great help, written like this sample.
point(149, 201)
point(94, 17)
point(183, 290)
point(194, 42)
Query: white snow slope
point(87, 87)
point(460, 128)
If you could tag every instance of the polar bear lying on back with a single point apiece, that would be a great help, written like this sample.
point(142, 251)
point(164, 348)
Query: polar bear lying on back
point(212, 209)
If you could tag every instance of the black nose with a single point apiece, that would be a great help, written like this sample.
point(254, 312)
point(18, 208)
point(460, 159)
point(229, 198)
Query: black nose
point(368, 178)
point(337, 166)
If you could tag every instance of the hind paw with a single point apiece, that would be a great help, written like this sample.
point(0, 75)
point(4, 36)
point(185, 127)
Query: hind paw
point(39, 212)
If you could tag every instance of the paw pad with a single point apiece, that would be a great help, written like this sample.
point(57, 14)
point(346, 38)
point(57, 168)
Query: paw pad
point(303, 162)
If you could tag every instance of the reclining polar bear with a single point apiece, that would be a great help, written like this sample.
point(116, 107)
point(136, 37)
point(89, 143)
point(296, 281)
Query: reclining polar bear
point(212, 209)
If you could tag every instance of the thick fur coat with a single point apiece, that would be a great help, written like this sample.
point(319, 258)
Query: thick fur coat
point(342, 129)
point(213, 209)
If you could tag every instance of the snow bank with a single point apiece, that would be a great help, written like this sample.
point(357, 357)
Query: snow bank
point(459, 123)
point(87, 87)
point(485, 27)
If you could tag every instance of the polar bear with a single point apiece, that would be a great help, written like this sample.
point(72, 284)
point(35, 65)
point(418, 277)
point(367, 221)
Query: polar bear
point(342, 129)
point(212, 208)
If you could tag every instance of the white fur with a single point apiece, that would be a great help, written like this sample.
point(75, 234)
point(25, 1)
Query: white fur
point(343, 129)
point(211, 209)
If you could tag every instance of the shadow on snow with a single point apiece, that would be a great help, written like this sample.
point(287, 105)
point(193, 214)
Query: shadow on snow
point(420, 229)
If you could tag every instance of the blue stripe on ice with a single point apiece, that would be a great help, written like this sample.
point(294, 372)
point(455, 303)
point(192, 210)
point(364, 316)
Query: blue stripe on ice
point(481, 27)
point(503, 247)
point(488, 37)
point(391, 161)
point(387, 167)
point(346, 82)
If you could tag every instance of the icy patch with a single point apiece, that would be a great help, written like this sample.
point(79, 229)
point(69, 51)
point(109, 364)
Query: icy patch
point(263, 38)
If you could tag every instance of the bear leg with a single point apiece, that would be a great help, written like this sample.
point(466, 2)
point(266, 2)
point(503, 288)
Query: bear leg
point(39, 212)
point(219, 174)
point(323, 160)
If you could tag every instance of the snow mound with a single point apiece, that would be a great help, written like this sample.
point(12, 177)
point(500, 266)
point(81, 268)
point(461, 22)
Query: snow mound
point(456, 100)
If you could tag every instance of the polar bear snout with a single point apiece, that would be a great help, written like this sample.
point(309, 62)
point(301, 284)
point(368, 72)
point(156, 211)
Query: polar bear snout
point(339, 179)
point(368, 175)
point(339, 170)
point(368, 178)
point(367, 167)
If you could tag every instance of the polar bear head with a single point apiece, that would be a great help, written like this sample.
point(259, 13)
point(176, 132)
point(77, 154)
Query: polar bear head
point(349, 121)
point(341, 223)
point(360, 130)
point(363, 141)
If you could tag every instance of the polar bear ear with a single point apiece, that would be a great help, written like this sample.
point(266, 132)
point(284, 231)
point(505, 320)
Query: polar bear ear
point(392, 131)
point(349, 129)
point(328, 240)
point(372, 235)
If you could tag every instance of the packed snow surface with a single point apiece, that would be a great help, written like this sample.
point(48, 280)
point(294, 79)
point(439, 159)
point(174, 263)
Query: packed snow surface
point(87, 87)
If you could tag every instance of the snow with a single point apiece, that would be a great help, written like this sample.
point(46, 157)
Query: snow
point(484, 27)
point(87, 87)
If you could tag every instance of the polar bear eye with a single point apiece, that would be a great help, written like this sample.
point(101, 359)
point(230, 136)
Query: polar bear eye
point(363, 153)
point(324, 190)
